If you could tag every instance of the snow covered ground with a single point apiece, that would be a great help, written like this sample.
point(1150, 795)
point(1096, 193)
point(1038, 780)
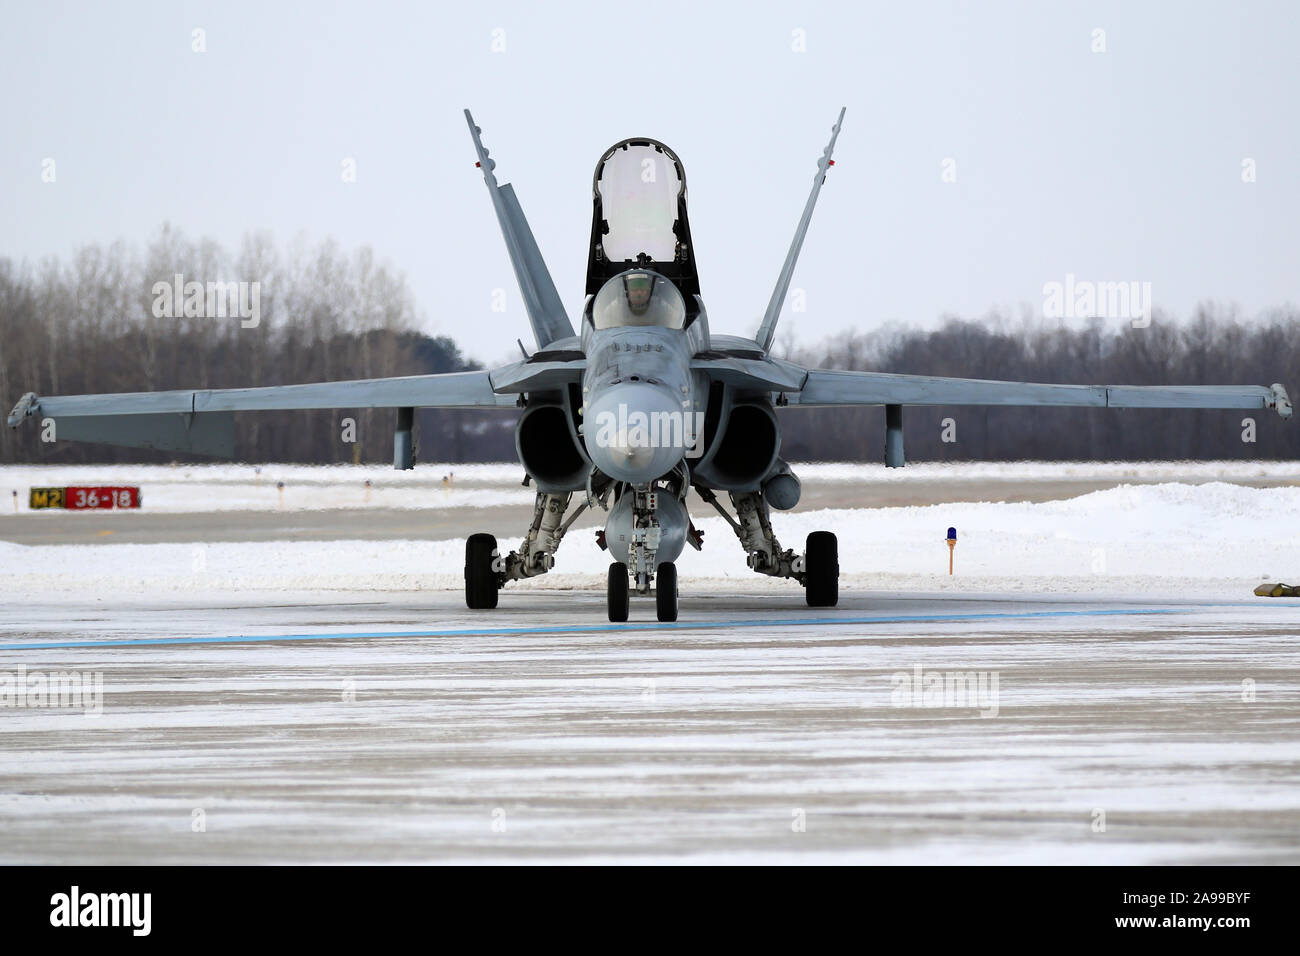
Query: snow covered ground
point(334, 700)
point(226, 487)
point(1172, 536)
point(404, 728)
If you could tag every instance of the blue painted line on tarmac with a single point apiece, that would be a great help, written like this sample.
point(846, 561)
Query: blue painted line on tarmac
point(601, 628)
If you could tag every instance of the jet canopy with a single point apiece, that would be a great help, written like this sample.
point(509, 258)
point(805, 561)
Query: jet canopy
point(638, 298)
point(638, 188)
point(639, 217)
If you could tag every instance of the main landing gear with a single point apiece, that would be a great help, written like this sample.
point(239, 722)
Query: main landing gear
point(481, 579)
point(817, 569)
point(648, 524)
point(486, 569)
point(821, 569)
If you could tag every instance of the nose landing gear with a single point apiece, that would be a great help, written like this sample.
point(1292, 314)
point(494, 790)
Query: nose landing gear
point(646, 531)
point(616, 591)
point(666, 592)
point(619, 588)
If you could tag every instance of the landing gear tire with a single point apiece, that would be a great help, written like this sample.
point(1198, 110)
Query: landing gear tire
point(821, 571)
point(616, 591)
point(666, 592)
point(480, 578)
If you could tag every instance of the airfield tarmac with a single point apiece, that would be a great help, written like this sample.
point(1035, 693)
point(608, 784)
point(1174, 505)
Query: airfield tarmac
point(376, 724)
point(408, 729)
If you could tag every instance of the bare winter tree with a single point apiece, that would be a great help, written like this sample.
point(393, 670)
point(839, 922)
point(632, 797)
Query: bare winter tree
point(1214, 347)
point(92, 325)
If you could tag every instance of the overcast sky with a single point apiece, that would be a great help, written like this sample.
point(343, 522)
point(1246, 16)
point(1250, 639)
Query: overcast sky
point(1117, 165)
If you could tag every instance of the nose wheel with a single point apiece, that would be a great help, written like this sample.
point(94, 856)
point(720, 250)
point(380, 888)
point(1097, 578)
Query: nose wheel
point(616, 591)
point(666, 592)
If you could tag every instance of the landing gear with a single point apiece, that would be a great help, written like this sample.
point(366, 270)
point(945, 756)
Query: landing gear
point(487, 570)
point(647, 528)
point(817, 569)
point(666, 592)
point(753, 526)
point(481, 580)
point(821, 570)
point(616, 591)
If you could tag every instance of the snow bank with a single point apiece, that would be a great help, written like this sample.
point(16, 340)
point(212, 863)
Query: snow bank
point(1212, 538)
point(226, 487)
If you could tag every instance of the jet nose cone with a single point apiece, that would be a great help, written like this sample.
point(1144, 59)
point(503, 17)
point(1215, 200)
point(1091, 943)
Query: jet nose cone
point(634, 431)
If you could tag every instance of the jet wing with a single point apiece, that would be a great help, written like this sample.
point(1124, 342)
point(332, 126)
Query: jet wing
point(201, 421)
point(829, 387)
point(451, 390)
point(537, 375)
point(771, 375)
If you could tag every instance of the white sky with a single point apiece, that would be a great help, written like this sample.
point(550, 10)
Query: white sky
point(1124, 165)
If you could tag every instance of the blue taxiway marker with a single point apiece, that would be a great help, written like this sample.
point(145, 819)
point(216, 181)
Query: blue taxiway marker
point(602, 628)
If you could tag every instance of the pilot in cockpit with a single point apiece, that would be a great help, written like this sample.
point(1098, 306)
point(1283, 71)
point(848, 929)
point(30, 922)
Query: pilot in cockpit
point(637, 286)
point(638, 298)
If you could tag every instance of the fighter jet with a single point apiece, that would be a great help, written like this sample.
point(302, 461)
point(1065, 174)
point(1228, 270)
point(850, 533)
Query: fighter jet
point(628, 413)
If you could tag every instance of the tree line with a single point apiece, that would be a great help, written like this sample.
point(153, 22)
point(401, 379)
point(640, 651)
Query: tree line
point(92, 324)
point(1214, 347)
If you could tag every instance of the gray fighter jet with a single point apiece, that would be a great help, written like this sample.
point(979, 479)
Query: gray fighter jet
point(633, 410)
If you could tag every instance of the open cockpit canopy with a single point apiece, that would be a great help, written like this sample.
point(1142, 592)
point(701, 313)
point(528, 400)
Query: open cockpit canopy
point(639, 217)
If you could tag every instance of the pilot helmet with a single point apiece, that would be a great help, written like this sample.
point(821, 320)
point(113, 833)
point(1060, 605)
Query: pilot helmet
point(638, 297)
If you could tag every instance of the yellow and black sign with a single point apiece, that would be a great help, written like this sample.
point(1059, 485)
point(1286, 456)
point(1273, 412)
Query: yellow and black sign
point(46, 498)
point(78, 498)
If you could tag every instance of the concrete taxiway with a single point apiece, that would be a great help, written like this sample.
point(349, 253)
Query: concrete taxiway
point(400, 727)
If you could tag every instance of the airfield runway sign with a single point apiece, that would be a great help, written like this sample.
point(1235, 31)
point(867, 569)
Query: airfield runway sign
point(75, 498)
